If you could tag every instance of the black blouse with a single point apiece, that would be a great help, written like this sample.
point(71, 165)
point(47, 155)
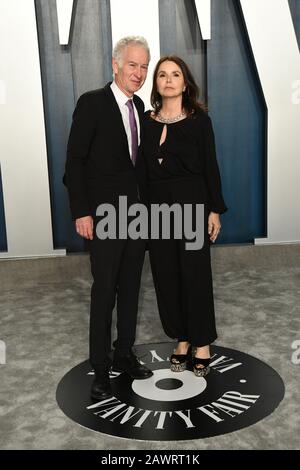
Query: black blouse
point(188, 150)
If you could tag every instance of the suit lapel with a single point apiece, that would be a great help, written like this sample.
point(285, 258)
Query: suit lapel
point(140, 111)
point(115, 110)
point(138, 107)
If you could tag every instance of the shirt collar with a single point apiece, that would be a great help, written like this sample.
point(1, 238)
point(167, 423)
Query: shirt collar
point(121, 98)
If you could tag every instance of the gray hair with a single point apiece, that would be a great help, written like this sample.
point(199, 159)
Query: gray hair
point(129, 41)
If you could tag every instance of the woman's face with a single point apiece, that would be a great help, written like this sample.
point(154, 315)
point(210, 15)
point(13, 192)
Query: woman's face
point(170, 80)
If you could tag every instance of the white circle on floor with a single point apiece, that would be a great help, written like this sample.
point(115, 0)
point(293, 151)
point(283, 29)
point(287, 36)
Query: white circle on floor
point(191, 386)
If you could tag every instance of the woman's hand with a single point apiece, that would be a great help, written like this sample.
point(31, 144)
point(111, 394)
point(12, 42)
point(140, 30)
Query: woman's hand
point(214, 226)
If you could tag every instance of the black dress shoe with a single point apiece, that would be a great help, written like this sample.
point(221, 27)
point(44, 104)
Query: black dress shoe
point(101, 388)
point(129, 364)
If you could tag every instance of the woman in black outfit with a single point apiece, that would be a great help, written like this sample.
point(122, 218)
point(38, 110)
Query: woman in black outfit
point(181, 164)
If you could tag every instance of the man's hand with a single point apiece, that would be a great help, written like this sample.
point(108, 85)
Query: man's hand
point(84, 227)
point(214, 226)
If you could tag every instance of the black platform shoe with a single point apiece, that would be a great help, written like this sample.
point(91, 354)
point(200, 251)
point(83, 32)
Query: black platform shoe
point(179, 361)
point(201, 371)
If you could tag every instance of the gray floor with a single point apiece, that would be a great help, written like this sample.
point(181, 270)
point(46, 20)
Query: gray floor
point(44, 323)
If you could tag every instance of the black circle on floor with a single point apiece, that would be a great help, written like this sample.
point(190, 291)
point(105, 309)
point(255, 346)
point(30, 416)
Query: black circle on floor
point(240, 390)
point(168, 384)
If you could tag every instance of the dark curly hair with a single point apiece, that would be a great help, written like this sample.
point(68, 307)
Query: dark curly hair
point(190, 101)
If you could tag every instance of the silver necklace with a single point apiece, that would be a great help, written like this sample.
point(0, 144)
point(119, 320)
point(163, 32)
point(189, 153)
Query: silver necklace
point(170, 120)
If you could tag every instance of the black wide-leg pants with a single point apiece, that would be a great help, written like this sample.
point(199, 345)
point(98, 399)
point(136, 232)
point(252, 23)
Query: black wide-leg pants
point(183, 278)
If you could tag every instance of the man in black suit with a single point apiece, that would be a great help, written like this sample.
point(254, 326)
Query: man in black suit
point(102, 164)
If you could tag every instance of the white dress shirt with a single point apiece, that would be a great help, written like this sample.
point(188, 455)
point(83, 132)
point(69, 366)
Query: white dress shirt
point(122, 99)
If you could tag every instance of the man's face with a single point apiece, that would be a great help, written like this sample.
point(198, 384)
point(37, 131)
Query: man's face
point(131, 74)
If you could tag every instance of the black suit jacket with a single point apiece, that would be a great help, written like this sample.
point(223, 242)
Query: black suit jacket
point(98, 166)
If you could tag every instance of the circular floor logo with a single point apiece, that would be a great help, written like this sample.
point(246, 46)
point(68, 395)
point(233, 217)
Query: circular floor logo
point(239, 391)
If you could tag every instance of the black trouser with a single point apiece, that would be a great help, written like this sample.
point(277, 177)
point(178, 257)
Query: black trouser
point(116, 268)
point(183, 278)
